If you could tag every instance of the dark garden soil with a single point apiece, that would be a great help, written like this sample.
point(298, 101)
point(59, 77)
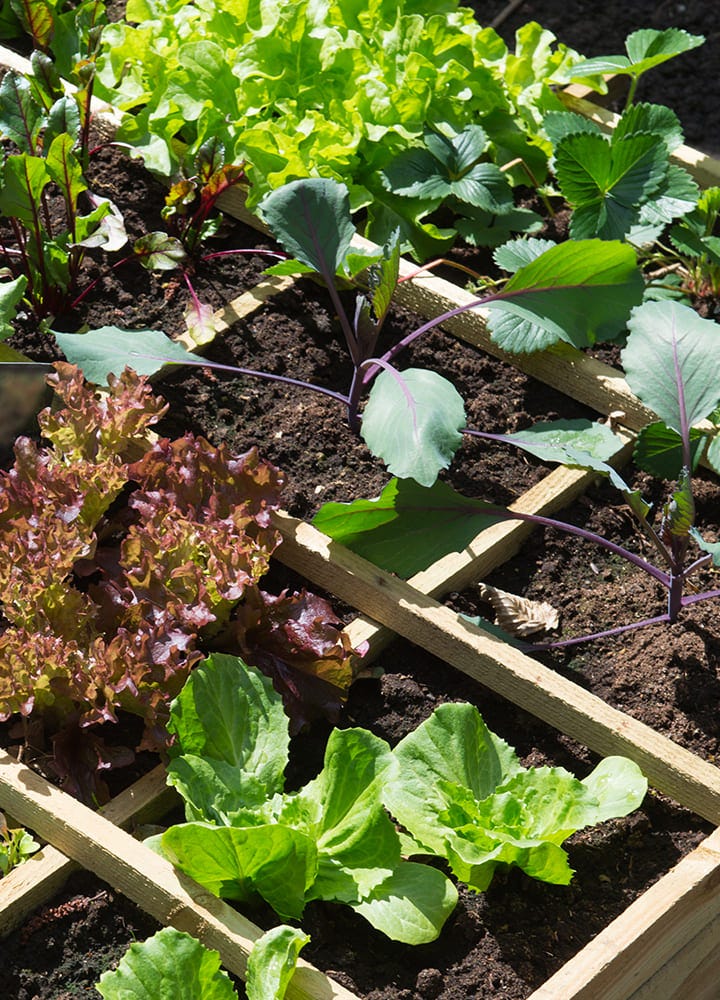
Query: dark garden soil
point(507, 941)
point(596, 29)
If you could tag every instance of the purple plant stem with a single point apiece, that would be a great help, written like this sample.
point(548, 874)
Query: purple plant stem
point(589, 536)
point(706, 595)
point(432, 323)
point(269, 376)
point(96, 281)
point(608, 633)
point(698, 564)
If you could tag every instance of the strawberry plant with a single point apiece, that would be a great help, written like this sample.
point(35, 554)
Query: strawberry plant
point(124, 557)
point(621, 186)
point(644, 49)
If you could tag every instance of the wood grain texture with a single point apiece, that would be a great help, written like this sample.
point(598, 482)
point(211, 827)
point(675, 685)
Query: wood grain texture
point(663, 947)
point(38, 879)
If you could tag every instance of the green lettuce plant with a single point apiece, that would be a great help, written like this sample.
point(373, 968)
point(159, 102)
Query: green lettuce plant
point(175, 965)
point(462, 794)
point(458, 790)
point(331, 840)
point(294, 89)
point(16, 845)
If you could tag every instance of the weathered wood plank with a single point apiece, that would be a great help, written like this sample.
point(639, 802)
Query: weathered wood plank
point(664, 945)
point(38, 879)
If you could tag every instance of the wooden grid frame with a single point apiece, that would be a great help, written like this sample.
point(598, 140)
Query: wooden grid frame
point(664, 944)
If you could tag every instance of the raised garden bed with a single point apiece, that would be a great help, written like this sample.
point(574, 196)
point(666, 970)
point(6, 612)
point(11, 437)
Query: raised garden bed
point(666, 937)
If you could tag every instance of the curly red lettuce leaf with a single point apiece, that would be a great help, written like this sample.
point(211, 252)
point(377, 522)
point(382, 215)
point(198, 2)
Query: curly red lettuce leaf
point(124, 558)
point(296, 639)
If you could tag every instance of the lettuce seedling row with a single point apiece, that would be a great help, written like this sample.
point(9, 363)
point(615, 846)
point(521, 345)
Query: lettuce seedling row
point(665, 937)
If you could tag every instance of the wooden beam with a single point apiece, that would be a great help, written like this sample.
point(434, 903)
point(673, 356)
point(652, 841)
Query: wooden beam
point(664, 945)
point(36, 880)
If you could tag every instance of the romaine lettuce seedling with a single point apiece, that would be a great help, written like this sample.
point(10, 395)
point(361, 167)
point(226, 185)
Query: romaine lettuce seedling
point(459, 791)
point(330, 840)
point(172, 963)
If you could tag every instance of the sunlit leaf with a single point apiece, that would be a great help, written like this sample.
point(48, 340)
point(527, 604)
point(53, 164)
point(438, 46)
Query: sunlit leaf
point(579, 291)
point(412, 421)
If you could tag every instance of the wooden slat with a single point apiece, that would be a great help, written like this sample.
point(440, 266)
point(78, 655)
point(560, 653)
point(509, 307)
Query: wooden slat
point(664, 945)
point(97, 844)
point(680, 774)
point(38, 879)
point(488, 550)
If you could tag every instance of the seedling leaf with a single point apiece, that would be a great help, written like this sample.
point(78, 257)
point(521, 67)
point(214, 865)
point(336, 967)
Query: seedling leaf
point(606, 181)
point(247, 732)
point(108, 350)
point(11, 293)
point(658, 450)
point(311, 219)
point(679, 511)
point(712, 547)
point(20, 114)
point(580, 292)
point(171, 965)
point(272, 962)
point(645, 48)
point(275, 861)
point(652, 118)
point(24, 179)
point(159, 252)
point(412, 421)
point(671, 361)
point(408, 526)
point(517, 253)
point(562, 440)
point(411, 905)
